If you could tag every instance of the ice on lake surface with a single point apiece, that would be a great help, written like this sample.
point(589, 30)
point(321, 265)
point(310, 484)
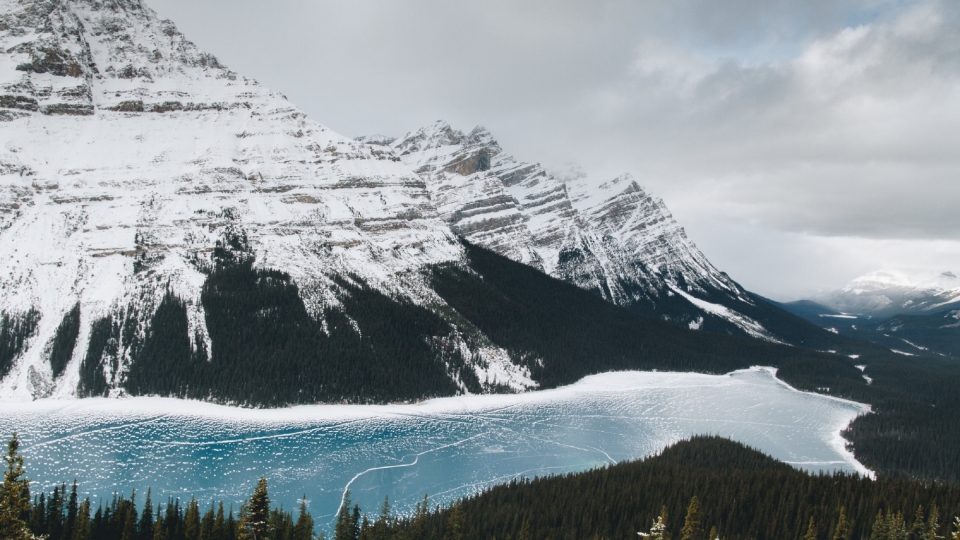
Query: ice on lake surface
point(446, 447)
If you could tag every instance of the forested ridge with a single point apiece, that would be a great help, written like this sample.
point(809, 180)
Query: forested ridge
point(741, 494)
point(704, 488)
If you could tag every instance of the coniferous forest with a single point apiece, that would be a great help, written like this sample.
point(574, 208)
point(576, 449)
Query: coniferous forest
point(706, 488)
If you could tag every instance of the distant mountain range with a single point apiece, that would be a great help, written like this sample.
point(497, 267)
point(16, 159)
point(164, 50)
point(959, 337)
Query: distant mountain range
point(170, 227)
point(910, 313)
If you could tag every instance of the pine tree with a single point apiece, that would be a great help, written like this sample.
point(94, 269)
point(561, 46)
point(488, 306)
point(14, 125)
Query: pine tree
point(418, 524)
point(160, 528)
point(842, 532)
point(691, 524)
point(303, 530)
point(191, 521)
point(146, 519)
point(130, 522)
point(811, 530)
point(525, 533)
point(345, 528)
point(72, 510)
point(15, 495)
point(82, 529)
point(456, 524)
point(933, 524)
point(220, 525)
point(956, 529)
point(879, 529)
point(713, 534)
point(919, 530)
point(38, 517)
point(659, 529)
point(255, 515)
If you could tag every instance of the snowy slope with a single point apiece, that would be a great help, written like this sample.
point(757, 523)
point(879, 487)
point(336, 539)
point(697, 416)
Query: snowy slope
point(128, 155)
point(608, 237)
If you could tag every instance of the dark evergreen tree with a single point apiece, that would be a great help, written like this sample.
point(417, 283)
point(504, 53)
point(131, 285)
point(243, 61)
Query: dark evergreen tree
point(255, 515)
point(304, 527)
point(146, 519)
point(692, 527)
point(811, 530)
point(83, 529)
point(72, 510)
point(842, 531)
point(456, 523)
point(346, 525)
point(14, 495)
point(191, 521)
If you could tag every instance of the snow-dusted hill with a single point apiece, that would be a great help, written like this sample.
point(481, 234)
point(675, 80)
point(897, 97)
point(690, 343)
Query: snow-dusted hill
point(609, 237)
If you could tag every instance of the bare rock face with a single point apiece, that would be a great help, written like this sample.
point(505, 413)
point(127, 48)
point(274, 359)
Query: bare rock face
point(608, 237)
point(129, 156)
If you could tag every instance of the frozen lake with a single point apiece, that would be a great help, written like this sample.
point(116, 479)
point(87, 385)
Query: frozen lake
point(446, 447)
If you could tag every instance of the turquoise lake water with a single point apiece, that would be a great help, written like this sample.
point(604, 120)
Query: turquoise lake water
point(446, 448)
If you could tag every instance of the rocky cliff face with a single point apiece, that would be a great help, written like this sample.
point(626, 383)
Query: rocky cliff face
point(609, 237)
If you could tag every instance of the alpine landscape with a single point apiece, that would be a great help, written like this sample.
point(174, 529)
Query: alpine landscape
point(206, 294)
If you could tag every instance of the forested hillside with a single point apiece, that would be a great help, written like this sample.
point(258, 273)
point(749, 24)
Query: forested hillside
point(741, 494)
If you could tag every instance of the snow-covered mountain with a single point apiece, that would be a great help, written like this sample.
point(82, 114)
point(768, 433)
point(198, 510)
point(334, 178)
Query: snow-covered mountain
point(890, 292)
point(170, 227)
point(129, 155)
point(609, 237)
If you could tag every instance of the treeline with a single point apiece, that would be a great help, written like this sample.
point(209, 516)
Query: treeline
point(723, 490)
point(701, 489)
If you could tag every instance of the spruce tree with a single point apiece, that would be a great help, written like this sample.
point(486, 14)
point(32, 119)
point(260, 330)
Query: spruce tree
point(525, 533)
point(919, 530)
point(146, 519)
point(82, 529)
point(160, 528)
point(842, 532)
point(956, 529)
point(659, 530)
point(38, 517)
point(15, 495)
point(811, 530)
point(933, 523)
point(713, 534)
point(303, 530)
point(191, 521)
point(255, 515)
point(879, 529)
point(220, 531)
point(345, 528)
point(129, 522)
point(72, 510)
point(691, 524)
point(456, 524)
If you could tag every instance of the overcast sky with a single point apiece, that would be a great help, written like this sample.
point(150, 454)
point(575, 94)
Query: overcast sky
point(800, 143)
